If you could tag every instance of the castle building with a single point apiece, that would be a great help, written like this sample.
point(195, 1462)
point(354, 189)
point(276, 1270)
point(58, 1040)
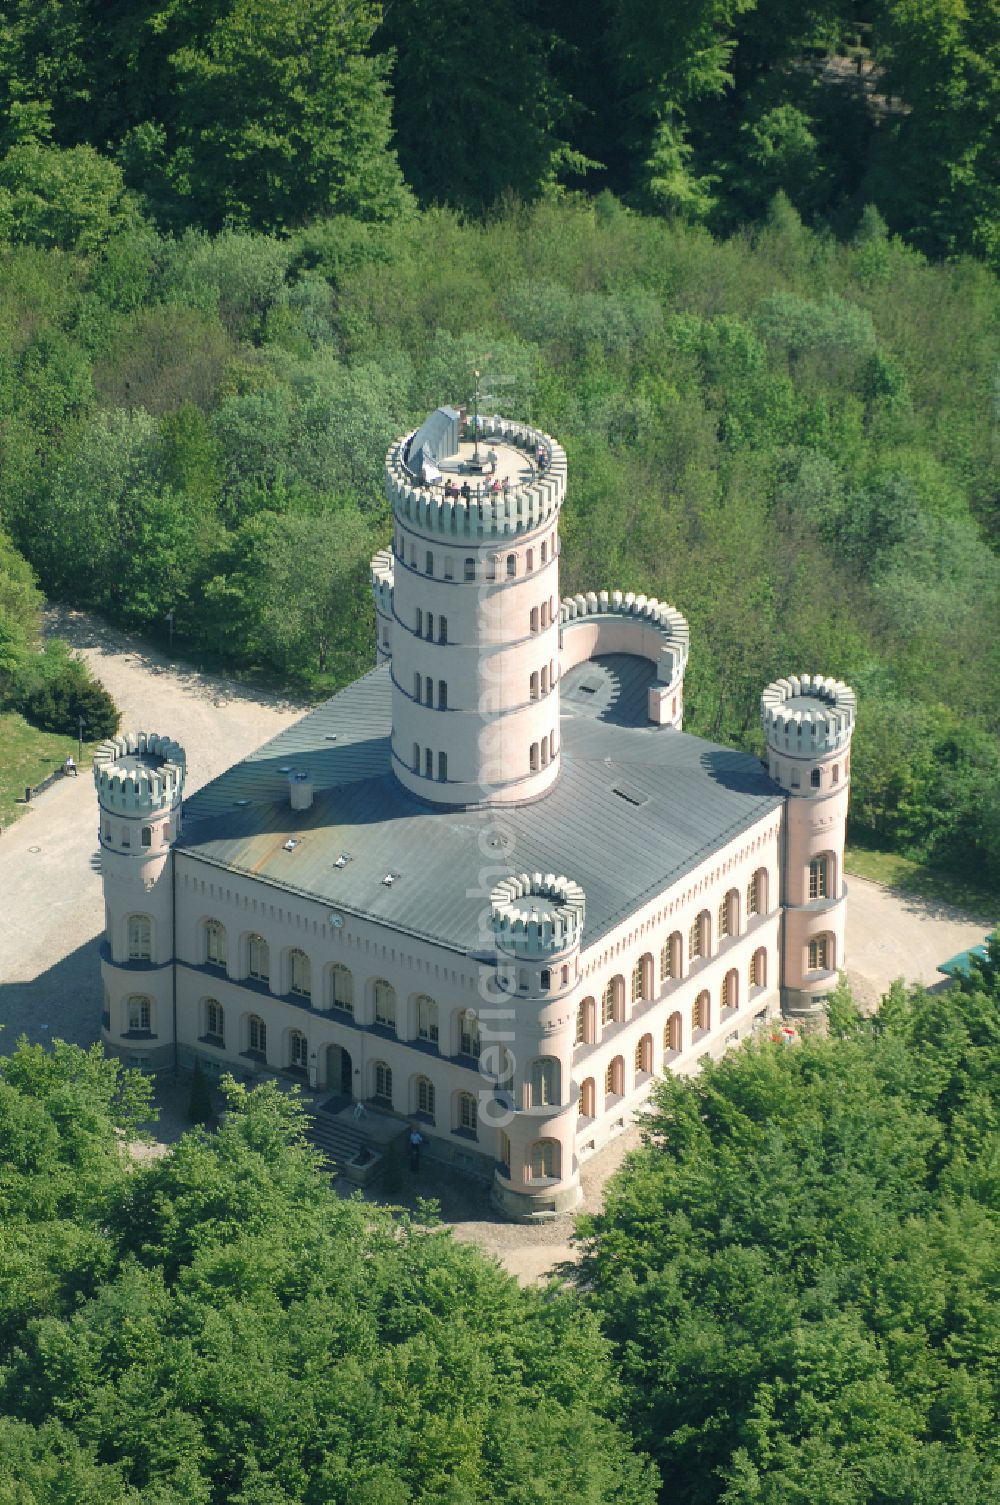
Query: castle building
point(492, 888)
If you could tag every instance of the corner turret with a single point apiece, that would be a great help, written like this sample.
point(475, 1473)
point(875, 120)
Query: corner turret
point(808, 721)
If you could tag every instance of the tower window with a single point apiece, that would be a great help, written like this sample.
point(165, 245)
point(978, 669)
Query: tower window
point(449, 568)
point(416, 757)
point(511, 566)
point(442, 695)
point(443, 767)
point(428, 691)
point(533, 687)
point(819, 954)
point(819, 887)
point(529, 561)
point(420, 623)
point(442, 629)
point(428, 763)
point(470, 569)
point(140, 938)
point(147, 836)
point(544, 551)
point(814, 778)
point(139, 1013)
point(545, 681)
point(491, 569)
point(429, 563)
point(533, 758)
point(534, 619)
point(430, 627)
point(416, 688)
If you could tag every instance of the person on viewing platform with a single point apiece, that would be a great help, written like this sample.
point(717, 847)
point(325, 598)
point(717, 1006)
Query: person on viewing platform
point(69, 767)
point(466, 492)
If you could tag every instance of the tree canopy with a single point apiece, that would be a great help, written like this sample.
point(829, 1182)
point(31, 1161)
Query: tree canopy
point(217, 1326)
point(798, 1269)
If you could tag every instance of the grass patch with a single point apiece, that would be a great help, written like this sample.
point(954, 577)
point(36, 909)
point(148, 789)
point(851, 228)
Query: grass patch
point(26, 757)
point(912, 877)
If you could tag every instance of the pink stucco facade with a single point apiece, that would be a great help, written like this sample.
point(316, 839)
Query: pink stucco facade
point(524, 1050)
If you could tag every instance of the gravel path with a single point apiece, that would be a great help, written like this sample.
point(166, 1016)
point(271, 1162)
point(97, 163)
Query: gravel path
point(53, 913)
point(53, 909)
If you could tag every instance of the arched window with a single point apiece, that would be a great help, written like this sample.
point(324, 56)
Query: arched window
point(585, 1022)
point(419, 629)
point(644, 1056)
point(417, 686)
point(216, 944)
point(544, 1082)
point(428, 562)
point(758, 968)
point(642, 979)
point(258, 958)
point(299, 974)
point(215, 1022)
point(757, 893)
point(608, 1004)
point(701, 1013)
point(614, 1078)
point(428, 763)
point(819, 878)
point(545, 614)
point(466, 1115)
point(545, 752)
point(673, 1034)
point(588, 1098)
point(442, 768)
point(341, 989)
point(491, 568)
point(533, 687)
point(384, 995)
point(427, 1019)
point(815, 778)
point(724, 918)
point(257, 1037)
point(697, 938)
point(544, 1160)
point(670, 957)
point(835, 777)
point(428, 691)
point(138, 1013)
point(820, 954)
point(442, 694)
point(545, 979)
point(298, 1050)
point(442, 629)
point(147, 836)
point(424, 1097)
point(429, 634)
point(534, 619)
point(416, 757)
point(729, 995)
point(511, 566)
point(382, 1083)
point(140, 938)
point(533, 758)
point(468, 1034)
point(545, 681)
point(470, 569)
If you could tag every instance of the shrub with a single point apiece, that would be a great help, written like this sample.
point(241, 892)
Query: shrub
point(53, 690)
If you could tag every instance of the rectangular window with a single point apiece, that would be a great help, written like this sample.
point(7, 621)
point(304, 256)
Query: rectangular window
point(442, 629)
point(818, 955)
point(429, 563)
point(139, 1014)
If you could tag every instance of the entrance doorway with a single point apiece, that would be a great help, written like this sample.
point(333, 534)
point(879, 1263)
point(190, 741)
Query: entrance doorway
point(339, 1071)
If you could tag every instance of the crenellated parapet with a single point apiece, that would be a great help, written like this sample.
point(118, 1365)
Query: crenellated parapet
point(807, 715)
point(518, 508)
point(137, 773)
point(382, 579)
point(537, 915)
point(643, 611)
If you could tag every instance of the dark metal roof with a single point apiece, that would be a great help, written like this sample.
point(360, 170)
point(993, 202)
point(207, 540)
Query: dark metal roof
point(635, 808)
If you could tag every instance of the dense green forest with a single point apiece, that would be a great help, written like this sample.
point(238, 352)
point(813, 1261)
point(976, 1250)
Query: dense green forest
point(734, 255)
point(790, 1298)
point(799, 1270)
point(791, 438)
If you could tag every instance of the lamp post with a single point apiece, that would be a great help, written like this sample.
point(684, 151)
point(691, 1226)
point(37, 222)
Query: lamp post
point(169, 619)
point(79, 735)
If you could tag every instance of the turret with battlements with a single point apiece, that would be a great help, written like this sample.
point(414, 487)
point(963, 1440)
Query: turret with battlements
point(139, 778)
point(808, 720)
point(472, 594)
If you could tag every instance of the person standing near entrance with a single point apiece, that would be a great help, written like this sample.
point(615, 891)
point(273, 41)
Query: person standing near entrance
point(416, 1140)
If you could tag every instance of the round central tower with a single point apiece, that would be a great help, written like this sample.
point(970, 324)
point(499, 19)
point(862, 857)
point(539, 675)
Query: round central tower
point(475, 610)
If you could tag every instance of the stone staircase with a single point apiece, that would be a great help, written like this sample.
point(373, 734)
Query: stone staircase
point(337, 1140)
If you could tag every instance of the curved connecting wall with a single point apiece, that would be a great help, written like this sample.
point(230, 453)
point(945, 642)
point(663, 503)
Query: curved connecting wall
point(602, 622)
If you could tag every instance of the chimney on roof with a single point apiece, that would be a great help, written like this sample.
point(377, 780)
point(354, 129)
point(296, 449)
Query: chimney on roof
point(300, 791)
